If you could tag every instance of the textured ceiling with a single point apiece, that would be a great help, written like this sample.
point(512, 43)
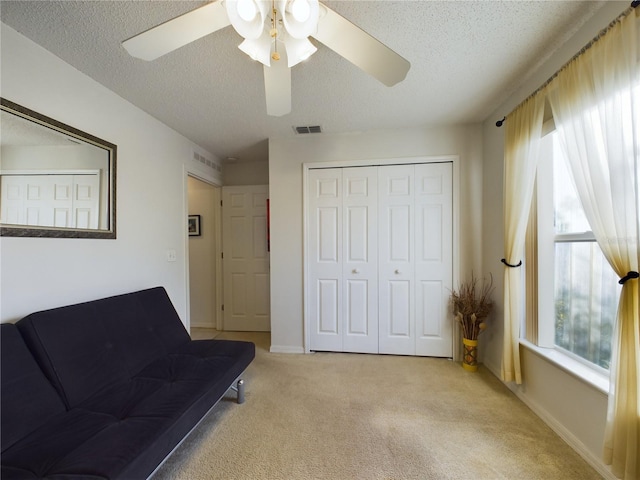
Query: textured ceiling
point(466, 59)
point(19, 132)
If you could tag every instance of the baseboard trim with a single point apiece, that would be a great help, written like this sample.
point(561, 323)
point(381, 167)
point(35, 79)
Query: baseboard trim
point(567, 436)
point(203, 325)
point(285, 349)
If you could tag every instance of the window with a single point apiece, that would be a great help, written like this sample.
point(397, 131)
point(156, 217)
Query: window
point(578, 290)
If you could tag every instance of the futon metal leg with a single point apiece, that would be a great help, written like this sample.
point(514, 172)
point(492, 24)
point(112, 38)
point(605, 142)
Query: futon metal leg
point(239, 389)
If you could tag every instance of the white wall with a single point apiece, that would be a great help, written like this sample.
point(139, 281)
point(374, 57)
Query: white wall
point(39, 273)
point(246, 173)
point(53, 158)
point(576, 410)
point(286, 157)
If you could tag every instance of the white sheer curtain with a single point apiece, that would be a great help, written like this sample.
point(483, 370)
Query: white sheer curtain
point(522, 143)
point(596, 107)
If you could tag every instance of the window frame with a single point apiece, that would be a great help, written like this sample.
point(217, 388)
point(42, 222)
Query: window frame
point(543, 242)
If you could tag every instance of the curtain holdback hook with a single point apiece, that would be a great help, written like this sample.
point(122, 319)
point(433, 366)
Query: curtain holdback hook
point(629, 276)
point(504, 260)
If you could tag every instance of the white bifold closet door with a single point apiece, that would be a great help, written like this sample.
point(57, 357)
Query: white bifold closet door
point(380, 259)
point(343, 259)
point(51, 200)
point(416, 259)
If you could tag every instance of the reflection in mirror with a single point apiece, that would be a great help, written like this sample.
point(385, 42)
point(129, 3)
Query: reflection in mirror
point(55, 180)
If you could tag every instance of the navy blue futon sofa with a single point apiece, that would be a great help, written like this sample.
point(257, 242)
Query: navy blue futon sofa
point(107, 389)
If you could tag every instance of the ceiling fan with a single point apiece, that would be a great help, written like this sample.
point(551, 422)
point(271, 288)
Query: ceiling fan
point(276, 33)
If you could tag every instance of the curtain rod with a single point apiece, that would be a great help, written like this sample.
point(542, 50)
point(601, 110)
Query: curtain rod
point(602, 32)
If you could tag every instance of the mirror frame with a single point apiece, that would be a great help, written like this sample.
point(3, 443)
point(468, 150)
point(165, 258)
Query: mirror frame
point(8, 230)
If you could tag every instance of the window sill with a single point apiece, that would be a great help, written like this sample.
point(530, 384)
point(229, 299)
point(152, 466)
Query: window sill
point(578, 370)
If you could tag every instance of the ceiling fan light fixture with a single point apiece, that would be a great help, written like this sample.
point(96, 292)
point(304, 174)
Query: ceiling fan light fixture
point(247, 16)
point(298, 50)
point(300, 9)
point(277, 30)
point(258, 49)
point(247, 10)
point(299, 17)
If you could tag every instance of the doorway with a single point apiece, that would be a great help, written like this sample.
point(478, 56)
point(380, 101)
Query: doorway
point(204, 240)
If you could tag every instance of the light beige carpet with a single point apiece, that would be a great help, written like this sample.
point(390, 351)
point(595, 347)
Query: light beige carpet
point(350, 416)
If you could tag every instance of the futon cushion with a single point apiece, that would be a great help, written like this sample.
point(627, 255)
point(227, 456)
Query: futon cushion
point(168, 386)
point(102, 343)
point(28, 399)
point(59, 446)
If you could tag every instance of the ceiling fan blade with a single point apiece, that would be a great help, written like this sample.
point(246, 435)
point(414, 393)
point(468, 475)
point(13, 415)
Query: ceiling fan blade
point(360, 48)
point(178, 32)
point(277, 87)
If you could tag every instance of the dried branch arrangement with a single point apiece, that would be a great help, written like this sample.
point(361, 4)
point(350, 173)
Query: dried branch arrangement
point(471, 305)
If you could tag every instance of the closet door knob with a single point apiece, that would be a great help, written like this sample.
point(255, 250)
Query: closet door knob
point(397, 271)
point(355, 270)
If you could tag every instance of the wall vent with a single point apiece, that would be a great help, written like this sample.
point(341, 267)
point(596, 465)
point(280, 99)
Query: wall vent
point(307, 129)
point(205, 161)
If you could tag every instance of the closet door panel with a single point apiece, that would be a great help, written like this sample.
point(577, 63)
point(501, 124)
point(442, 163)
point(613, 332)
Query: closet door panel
point(434, 258)
point(327, 307)
point(327, 231)
point(399, 312)
point(360, 265)
point(429, 307)
point(325, 260)
point(357, 303)
point(395, 255)
point(399, 233)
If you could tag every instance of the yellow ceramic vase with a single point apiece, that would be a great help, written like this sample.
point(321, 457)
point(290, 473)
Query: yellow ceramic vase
point(470, 355)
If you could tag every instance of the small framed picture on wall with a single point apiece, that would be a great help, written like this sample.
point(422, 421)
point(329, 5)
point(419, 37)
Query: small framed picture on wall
point(194, 226)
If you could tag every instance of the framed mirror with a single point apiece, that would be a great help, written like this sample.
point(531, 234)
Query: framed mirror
point(55, 180)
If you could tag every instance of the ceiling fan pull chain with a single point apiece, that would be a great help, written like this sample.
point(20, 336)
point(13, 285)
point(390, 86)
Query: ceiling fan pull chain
point(274, 31)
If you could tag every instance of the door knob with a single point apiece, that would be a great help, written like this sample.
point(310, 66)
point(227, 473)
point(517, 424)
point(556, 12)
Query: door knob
point(355, 270)
point(397, 271)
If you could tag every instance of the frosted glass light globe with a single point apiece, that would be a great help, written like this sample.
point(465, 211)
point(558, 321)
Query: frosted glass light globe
point(247, 9)
point(300, 10)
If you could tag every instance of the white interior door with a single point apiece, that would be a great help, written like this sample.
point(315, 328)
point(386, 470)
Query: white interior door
point(245, 258)
point(344, 266)
point(360, 259)
point(396, 256)
point(433, 258)
point(416, 259)
point(325, 307)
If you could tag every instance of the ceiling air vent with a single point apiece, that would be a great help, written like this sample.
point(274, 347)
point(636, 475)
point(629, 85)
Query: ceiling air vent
point(308, 129)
